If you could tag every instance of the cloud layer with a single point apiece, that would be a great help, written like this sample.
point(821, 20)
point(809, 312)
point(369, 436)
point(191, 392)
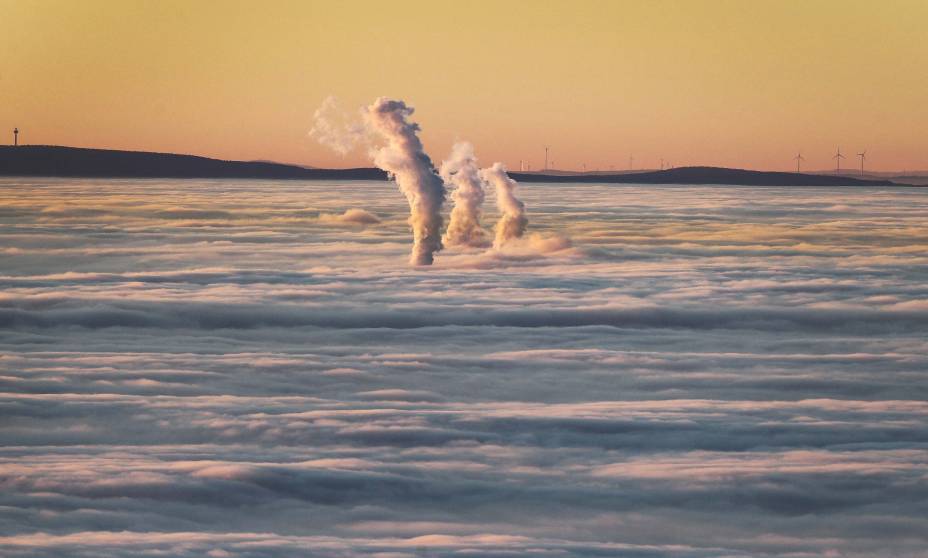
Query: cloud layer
point(238, 369)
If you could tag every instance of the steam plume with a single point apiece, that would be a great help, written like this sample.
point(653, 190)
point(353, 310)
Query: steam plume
point(460, 169)
point(333, 129)
point(405, 160)
point(512, 221)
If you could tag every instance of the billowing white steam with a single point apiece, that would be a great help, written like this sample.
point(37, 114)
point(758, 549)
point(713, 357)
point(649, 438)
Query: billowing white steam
point(405, 160)
point(512, 220)
point(333, 129)
point(400, 153)
point(461, 170)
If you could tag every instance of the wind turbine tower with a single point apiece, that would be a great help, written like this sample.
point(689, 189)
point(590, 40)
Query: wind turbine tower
point(838, 156)
point(799, 159)
point(862, 157)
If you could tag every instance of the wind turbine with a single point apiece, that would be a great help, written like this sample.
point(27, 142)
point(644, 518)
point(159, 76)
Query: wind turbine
point(799, 159)
point(838, 156)
point(862, 157)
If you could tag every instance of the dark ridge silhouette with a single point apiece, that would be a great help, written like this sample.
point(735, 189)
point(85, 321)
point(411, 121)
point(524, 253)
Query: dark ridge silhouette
point(707, 175)
point(44, 160)
point(59, 161)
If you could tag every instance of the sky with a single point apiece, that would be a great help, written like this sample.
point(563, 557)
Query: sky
point(742, 84)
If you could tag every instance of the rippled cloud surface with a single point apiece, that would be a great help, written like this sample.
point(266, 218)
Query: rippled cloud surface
point(252, 369)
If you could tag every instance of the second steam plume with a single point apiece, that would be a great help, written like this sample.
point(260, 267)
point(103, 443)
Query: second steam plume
point(460, 170)
point(512, 220)
point(405, 159)
point(464, 227)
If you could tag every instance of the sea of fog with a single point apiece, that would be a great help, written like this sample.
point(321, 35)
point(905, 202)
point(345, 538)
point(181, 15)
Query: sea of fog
point(240, 369)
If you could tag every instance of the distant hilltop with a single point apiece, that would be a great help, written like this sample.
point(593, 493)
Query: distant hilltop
point(53, 160)
point(59, 161)
point(707, 175)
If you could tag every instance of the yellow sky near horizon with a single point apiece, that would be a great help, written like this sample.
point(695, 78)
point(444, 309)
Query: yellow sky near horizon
point(743, 84)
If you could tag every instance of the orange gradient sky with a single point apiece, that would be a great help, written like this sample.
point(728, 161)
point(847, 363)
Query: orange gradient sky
point(738, 83)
